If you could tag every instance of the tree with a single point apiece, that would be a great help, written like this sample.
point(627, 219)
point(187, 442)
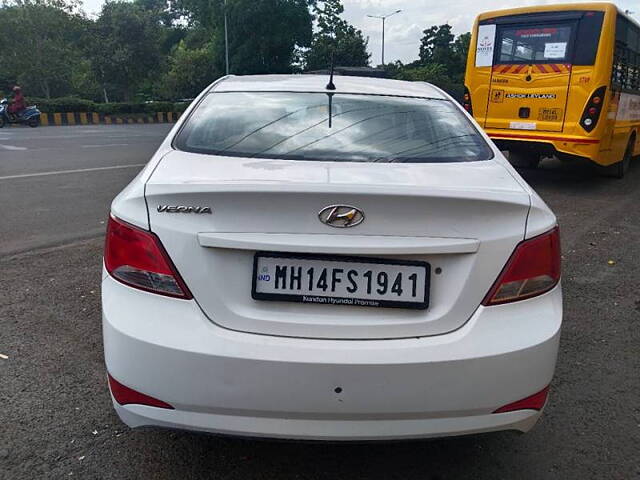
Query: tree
point(263, 35)
point(39, 41)
point(436, 46)
point(126, 48)
point(434, 73)
point(162, 9)
point(442, 61)
point(461, 49)
point(190, 70)
point(335, 38)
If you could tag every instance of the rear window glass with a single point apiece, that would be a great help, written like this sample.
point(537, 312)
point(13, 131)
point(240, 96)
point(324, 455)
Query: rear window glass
point(336, 127)
point(535, 43)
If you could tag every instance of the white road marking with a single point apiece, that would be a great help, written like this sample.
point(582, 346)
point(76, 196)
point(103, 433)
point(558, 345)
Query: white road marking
point(11, 147)
point(106, 145)
point(64, 172)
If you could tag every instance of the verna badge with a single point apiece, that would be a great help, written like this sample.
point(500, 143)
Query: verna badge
point(183, 209)
point(341, 216)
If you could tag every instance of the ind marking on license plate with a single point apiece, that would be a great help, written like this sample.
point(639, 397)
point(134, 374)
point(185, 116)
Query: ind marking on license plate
point(337, 280)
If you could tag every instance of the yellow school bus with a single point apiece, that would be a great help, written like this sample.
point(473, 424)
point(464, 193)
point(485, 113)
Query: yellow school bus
point(558, 80)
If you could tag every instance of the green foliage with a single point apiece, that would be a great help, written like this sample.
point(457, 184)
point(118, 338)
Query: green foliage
point(336, 38)
point(141, 50)
point(439, 45)
point(190, 70)
point(40, 43)
point(74, 104)
point(436, 45)
point(125, 47)
point(263, 35)
point(83, 81)
point(461, 49)
point(435, 73)
point(442, 60)
point(61, 104)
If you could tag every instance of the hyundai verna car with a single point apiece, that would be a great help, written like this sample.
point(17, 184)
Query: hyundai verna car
point(354, 262)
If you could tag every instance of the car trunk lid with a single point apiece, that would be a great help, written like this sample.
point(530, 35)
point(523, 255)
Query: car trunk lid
point(463, 219)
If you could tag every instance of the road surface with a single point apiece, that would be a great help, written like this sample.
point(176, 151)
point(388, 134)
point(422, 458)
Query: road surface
point(56, 183)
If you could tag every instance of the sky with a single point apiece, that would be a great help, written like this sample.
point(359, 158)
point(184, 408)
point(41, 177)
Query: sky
point(404, 30)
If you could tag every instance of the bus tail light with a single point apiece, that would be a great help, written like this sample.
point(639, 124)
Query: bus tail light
point(466, 101)
point(592, 111)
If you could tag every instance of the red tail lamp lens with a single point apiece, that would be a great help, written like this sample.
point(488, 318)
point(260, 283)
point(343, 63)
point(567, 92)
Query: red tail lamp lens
point(533, 402)
point(137, 258)
point(533, 269)
point(125, 396)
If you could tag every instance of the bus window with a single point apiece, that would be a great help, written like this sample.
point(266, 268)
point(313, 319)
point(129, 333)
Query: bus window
point(535, 43)
point(626, 63)
point(587, 38)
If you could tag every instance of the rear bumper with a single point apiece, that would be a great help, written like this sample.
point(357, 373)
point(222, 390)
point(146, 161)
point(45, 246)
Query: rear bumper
point(547, 142)
point(254, 385)
point(326, 429)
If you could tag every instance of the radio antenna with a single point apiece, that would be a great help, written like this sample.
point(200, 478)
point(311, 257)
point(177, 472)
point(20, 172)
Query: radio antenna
point(331, 85)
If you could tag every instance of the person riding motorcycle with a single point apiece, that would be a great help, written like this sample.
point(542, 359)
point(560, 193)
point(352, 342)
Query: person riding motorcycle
point(17, 103)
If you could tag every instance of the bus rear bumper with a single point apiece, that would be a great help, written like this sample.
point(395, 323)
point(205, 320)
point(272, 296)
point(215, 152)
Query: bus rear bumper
point(547, 144)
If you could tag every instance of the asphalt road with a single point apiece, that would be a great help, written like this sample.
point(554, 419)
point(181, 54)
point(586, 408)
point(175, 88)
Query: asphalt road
point(56, 183)
point(56, 420)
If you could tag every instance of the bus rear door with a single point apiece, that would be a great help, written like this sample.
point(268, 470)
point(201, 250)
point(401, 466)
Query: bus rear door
point(530, 76)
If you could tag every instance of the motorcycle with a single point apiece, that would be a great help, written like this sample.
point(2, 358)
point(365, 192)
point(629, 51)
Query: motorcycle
point(29, 116)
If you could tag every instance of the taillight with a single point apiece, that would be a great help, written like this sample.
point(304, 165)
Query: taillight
point(466, 101)
point(125, 395)
point(137, 258)
point(533, 269)
point(591, 112)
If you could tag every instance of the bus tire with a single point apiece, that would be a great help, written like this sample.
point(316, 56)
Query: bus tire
point(619, 169)
point(524, 159)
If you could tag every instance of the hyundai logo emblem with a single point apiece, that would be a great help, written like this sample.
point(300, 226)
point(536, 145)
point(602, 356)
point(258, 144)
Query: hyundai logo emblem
point(341, 216)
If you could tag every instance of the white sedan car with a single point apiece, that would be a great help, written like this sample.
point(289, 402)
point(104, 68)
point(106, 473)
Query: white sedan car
point(344, 262)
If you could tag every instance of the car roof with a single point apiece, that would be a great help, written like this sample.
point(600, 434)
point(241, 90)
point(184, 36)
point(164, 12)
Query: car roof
point(318, 83)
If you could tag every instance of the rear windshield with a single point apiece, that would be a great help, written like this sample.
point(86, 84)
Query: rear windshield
point(331, 127)
point(532, 43)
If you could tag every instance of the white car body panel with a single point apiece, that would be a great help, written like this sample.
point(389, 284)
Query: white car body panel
point(231, 364)
point(434, 202)
point(231, 382)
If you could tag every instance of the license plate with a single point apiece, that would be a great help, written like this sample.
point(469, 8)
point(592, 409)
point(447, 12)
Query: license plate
point(550, 114)
point(331, 280)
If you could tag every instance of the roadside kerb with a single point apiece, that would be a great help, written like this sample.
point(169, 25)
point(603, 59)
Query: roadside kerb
point(92, 118)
